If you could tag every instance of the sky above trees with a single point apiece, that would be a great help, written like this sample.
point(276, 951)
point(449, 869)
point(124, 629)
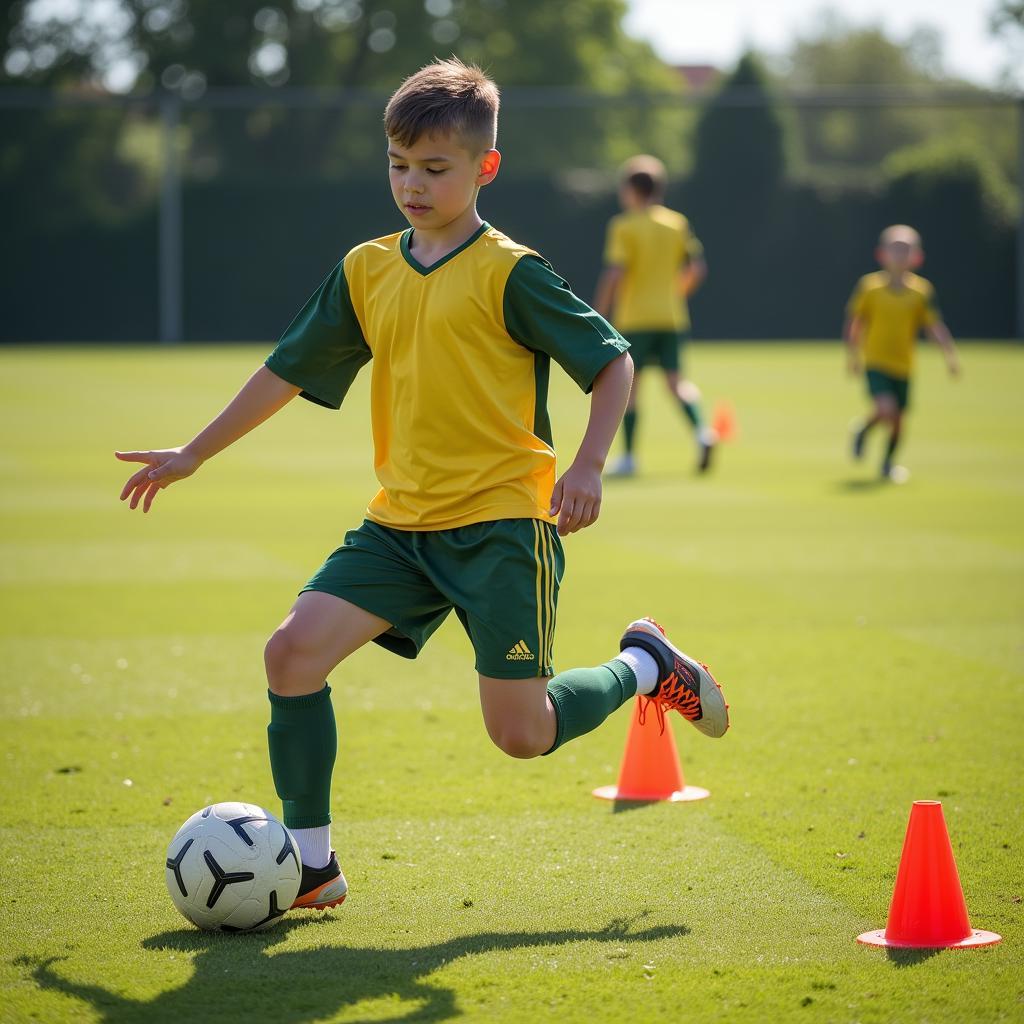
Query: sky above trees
point(718, 31)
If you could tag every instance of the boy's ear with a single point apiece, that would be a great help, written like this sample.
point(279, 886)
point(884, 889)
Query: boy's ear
point(916, 258)
point(489, 164)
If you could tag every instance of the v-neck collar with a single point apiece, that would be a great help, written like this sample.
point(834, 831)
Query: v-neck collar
point(406, 247)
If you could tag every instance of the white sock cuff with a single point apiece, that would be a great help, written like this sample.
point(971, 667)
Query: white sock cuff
point(314, 845)
point(643, 666)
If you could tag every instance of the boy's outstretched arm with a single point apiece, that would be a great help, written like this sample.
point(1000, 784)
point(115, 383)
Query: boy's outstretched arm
point(263, 394)
point(693, 275)
point(941, 335)
point(576, 499)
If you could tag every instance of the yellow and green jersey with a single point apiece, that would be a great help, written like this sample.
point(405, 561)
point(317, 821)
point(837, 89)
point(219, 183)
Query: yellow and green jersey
point(892, 319)
point(460, 354)
point(651, 246)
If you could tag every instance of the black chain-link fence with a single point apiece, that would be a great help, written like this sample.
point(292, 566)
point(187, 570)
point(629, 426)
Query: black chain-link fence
point(140, 220)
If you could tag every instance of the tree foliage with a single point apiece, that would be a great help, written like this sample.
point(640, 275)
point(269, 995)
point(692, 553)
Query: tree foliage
point(741, 140)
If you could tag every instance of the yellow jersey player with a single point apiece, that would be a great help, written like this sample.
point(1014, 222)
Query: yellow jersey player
point(459, 325)
point(653, 263)
point(885, 315)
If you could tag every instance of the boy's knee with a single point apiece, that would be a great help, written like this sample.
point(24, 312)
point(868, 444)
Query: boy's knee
point(281, 658)
point(688, 391)
point(519, 741)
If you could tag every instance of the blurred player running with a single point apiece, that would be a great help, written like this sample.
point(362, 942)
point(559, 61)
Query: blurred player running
point(653, 262)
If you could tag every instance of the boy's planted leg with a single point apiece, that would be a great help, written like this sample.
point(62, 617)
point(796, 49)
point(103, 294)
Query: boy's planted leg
point(687, 394)
point(889, 470)
point(859, 433)
point(319, 632)
point(625, 465)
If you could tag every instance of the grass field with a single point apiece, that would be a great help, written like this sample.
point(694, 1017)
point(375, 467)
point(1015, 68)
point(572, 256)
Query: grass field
point(868, 637)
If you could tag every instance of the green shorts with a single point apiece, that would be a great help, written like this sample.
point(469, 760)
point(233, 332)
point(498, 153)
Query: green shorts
point(881, 383)
point(501, 578)
point(657, 348)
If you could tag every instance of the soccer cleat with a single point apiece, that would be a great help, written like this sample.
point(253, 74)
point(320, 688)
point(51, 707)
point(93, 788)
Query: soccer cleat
point(684, 685)
point(321, 888)
point(706, 441)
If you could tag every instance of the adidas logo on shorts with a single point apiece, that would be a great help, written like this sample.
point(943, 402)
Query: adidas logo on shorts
point(519, 653)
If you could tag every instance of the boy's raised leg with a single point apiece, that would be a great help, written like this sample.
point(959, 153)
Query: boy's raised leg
point(319, 632)
point(529, 717)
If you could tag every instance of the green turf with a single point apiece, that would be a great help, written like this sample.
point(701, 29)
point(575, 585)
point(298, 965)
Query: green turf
point(869, 638)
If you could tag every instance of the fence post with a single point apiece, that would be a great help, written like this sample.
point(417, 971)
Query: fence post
point(169, 230)
point(1020, 219)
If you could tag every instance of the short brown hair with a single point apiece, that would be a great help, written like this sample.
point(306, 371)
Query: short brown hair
point(646, 175)
point(900, 233)
point(446, 97)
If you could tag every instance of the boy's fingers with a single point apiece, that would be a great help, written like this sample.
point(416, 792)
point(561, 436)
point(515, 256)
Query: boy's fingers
point(160, 472)
point(151, 493)
point(133, 481)
point(556, 498)
point(565, 517)
point(134, 456)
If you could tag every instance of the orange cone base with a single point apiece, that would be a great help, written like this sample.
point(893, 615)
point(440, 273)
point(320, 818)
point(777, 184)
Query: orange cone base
point(976, 938)
point(684, 795)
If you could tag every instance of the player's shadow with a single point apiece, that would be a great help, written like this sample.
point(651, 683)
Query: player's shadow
point(861, 485)
point(234, 978)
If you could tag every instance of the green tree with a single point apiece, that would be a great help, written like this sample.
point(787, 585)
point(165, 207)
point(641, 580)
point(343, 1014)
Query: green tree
point(957, 198)
point(185, 47)
point(741, 140)
point(1007, 23)
point(848, 141)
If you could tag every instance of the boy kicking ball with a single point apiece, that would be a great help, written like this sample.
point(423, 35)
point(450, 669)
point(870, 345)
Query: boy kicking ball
point(461, 324)
point(885, 314)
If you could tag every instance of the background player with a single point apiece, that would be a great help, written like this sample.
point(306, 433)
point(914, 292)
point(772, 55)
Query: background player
point(653, 263)
point(885, 314)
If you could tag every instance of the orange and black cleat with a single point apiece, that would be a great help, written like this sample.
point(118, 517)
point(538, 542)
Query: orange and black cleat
point(684, 685)
point(321, 888)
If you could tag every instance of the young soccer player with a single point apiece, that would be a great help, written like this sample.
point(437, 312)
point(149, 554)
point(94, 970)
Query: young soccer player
point(653, 263)
point(885, 314)
point(459, 324)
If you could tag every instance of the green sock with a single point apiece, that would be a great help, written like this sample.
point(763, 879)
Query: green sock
point(890, 450)
point(692, 412)
point(629, 429)
point(585, 697)
point(303, 745)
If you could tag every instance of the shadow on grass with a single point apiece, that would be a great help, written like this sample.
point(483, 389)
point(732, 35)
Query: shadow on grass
point(235, 979)
point(619, 806)
point(909, 957)
point(861, 485)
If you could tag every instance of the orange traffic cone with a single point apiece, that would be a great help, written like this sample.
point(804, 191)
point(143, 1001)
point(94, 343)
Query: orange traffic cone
point(928, 909)
point(650, 767)
point(723, 421)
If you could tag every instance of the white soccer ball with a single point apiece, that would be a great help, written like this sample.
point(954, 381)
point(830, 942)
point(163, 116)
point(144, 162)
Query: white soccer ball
point(233, 867)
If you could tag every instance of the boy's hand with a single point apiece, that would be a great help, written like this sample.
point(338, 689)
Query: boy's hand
point(853, 365)
point(954, 366)
point(576, 499)
point(162, 468)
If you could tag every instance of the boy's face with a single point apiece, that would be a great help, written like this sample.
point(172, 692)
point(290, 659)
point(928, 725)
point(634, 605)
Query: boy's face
point(435, 180)
point(898, 257)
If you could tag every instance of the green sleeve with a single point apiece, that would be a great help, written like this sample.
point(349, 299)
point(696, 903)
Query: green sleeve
point(542, 314)
point(323, 347)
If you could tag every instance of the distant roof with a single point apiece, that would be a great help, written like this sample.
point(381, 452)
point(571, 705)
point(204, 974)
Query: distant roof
point(698, 76)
